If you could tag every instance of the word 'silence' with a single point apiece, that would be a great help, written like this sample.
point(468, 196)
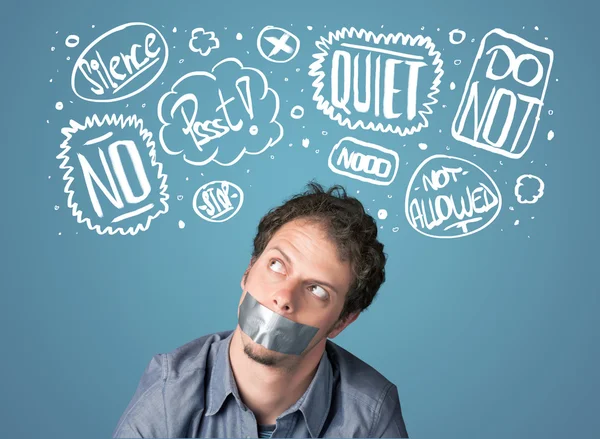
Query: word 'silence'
point(120, 63)
point(120, 69)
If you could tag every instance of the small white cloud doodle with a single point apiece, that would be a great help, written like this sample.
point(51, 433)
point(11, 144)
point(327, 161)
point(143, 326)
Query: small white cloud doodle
point(208, 116)
point(530, 184)
point(203, 42)
point(218, 201)
point(102, 158)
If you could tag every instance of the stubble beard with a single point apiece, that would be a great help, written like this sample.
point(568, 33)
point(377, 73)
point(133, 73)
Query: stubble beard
point(264, 359)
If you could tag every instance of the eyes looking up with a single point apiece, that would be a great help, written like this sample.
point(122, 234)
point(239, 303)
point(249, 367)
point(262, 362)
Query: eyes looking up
point(278, 267)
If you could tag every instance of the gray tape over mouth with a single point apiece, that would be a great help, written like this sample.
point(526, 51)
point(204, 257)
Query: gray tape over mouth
point(272, 330)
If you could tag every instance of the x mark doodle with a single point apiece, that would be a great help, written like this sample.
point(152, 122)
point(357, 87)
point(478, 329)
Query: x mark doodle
point(283, 42)
point(279, 44)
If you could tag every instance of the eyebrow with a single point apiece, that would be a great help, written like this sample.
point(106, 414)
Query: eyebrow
point(289, 261)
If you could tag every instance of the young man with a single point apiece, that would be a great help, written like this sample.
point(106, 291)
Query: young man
point(315, 267)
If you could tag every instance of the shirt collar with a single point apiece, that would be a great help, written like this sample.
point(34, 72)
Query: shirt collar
point(221, 382)
point(314, 403)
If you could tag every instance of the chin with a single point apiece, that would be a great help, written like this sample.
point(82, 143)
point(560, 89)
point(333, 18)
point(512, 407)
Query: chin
point(260, 354)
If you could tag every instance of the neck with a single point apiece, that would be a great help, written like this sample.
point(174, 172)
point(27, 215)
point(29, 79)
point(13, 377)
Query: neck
point(270, 390)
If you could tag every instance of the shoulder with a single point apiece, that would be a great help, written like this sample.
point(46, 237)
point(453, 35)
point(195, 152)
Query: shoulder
point(364, 393)
point(355, 378)
point(167, 393)
point(196, 354)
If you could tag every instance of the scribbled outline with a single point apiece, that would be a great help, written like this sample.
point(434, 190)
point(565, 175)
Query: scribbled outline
point(204, 186)
point(465, 96)
point(100, 38)
point(370, 37)
point(367, 145)
point(214, 78)
point(444, 156)
point(519, 184)
point(115, 120)
point(212, 37)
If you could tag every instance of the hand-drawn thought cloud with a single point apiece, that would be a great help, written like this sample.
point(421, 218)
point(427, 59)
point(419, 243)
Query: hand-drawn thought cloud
point(203, 42)
point(450, 197)
point(114, 182)
point(503, 97)
point(219, 115)
point(529, 189)
point(120, 63)
point(384, 82)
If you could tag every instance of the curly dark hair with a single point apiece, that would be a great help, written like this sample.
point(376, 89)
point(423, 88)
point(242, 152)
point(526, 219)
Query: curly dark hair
point(347, 224)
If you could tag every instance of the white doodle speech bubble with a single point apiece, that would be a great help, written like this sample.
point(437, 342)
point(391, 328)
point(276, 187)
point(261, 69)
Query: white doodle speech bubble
point(111, 71)
point(447, 195)
point(389, 79)
point(208, 116)
point(279, 43)
point(364, 161)
point(101, 185)
point(212, 43)
point(536, 197)
point(218, 201)
point(504, 124)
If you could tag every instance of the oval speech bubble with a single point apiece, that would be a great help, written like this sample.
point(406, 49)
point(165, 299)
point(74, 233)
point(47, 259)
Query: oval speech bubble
point(218, 201)
point(120, 63)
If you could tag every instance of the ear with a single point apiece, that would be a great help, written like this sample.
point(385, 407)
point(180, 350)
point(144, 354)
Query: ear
point(243, 281)
point(341, 325)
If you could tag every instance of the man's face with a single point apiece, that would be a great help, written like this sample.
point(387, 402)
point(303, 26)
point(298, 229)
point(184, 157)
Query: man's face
point(299, 275)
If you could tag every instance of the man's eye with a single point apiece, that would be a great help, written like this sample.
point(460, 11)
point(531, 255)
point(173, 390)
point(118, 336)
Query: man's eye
point(319, 292)
point(276, 266)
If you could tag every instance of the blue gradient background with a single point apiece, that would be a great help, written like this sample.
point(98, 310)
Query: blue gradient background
point(493, 335)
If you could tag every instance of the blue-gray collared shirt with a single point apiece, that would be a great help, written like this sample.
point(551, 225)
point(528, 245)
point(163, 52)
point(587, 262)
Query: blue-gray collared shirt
point(191, 392)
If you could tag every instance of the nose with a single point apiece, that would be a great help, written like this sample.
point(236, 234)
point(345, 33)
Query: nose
point(284, 298)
